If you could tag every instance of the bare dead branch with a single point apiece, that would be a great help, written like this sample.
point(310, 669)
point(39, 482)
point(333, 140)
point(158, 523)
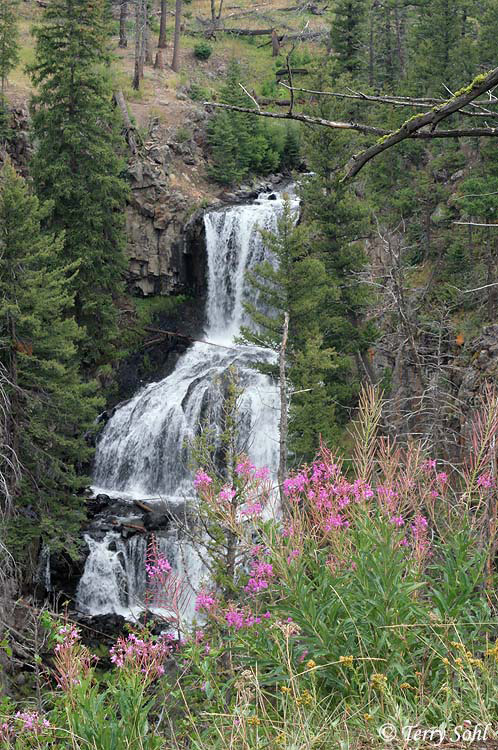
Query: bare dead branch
point(429, 119)
point(396, 101)
point(249, 95)
point(475, 224)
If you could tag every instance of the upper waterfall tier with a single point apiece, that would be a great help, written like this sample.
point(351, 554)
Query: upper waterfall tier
point(143, 450)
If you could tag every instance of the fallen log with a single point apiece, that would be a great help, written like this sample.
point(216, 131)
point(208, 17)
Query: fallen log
point(294, 72)
point(129, 129)
point(143, 506)
point(133, 526)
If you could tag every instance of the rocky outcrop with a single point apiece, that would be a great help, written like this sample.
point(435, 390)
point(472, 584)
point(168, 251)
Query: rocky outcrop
point(164, 231)
point(19, 146)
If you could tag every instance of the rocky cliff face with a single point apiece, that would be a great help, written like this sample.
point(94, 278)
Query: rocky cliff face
point(164, 230)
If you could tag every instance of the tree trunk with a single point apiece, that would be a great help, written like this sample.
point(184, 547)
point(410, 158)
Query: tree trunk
point(162, 25)
point(129, 129)
point(176, 44)
point(491, 276)
point(139, 44)
point(123, 17)
point(282, 464)
point(149, 57)
point(371, 49)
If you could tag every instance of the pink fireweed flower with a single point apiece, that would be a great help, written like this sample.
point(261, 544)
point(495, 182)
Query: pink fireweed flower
point(261, 573)
point(388, 497)
point(142, 656)
point(252, 509)
point(262, 473)
point(397, 521)
point(235, 619)
point(362, 490)
point(227, 493)
point(72, 660)
point(67, 635)
point(244, 468)
point(202, 480)
point(335, 522)
point(31, 721)
point(420, 532)
point(159, 568)
point(429, 465)
point(293, 555)
point(205, 602)
point(442, 477)
point(294, 485)
point(485, 481)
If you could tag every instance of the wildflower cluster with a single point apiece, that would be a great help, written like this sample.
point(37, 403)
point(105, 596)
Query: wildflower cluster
point(260, 576)
point(158, 569)
point(243, 618)
point(331, 503)
point(142, 656)
point(326, 493)
point(24, 724)
point(205, 602)
point(72, 661)
point(246, 498)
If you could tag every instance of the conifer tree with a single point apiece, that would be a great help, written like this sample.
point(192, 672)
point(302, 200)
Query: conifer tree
point(347, 34)
point(296, 284)
point(9, 39)
point(77, 164)
point(336, 221)
point(240, 143)
point(291, 150)
point(442, 49)
point(49, 407)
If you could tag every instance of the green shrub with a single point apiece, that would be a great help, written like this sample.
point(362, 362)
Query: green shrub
point(203, 51)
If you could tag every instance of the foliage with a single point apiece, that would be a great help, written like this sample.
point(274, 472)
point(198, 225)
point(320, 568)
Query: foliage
point(203, 51)
point(370, 603)
point(48, 407)
point(9, 39)
point(347, 33)
point(77, 165)
point(240, 144)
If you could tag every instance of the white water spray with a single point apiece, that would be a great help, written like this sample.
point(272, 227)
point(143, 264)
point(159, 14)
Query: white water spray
point(143, 451)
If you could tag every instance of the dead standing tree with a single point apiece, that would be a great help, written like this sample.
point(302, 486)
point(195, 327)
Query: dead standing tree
point(160, 62)
point(123, 18)
point(140, 34)
point(176, 42)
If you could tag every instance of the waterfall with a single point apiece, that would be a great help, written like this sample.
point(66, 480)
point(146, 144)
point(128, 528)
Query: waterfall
point(143, 451)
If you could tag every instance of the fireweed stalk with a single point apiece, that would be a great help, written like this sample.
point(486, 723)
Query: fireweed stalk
point(365, 565)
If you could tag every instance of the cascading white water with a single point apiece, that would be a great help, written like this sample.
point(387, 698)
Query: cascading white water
point(143, 450)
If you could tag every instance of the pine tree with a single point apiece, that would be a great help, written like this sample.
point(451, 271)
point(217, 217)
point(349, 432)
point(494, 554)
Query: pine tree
point(347, 34)
point(295, 283)
point(488, 33)
point(291, 152)
point(240, 144)
point(442, 49)
point(49, 409)
point(336, 221)
point(77, 164)
point(9, 39)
